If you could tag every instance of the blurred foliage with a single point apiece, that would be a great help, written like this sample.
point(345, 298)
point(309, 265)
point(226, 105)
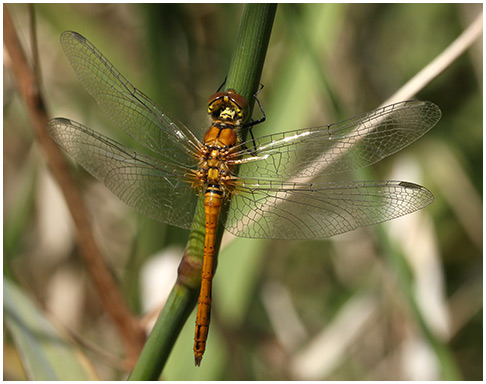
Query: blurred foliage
point(325, 62)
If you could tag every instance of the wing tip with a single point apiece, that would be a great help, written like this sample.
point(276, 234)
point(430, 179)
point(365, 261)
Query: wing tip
point(72, 34)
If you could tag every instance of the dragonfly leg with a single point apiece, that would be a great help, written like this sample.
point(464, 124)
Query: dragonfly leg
point(252, 123)
point(222, 84)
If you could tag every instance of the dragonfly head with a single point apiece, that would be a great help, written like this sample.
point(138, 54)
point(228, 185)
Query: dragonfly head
point(228, 107)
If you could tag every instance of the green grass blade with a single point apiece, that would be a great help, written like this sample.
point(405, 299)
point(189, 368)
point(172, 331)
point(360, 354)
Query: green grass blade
point(46, 353)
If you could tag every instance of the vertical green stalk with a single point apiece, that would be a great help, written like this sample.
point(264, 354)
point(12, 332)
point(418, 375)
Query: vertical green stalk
point(244, 77)
point(251, 47)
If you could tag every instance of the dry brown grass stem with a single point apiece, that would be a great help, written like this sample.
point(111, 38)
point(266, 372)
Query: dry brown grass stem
point(129, 329)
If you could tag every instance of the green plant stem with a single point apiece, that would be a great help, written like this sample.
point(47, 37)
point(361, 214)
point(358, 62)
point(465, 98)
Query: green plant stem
point(244, 77)
point(164, 335)
point(250, 50)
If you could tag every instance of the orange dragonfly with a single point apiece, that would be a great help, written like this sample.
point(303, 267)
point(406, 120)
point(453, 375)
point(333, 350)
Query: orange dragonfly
point(275, 194)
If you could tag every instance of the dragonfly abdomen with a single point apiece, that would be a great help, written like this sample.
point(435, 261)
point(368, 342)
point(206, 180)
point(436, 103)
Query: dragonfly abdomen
point(213, 199)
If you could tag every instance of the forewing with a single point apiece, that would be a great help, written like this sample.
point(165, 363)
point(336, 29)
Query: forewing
point(157, 189)
point(265, 209)
point(129, 108)
point(350, 144)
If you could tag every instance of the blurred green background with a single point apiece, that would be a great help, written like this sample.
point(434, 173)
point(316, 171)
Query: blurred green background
point(331, 309)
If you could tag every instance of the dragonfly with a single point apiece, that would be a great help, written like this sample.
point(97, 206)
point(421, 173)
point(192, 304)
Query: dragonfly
point(278, 191)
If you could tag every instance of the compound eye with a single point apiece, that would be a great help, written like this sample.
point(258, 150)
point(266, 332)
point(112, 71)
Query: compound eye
point(214, 98)
point(239, 101)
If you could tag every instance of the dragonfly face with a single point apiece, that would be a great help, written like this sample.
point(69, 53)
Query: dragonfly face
point(279, 192)
point(227, 106)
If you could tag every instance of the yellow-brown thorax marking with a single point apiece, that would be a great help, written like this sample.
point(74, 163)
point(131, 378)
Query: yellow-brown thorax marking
point(227, 111)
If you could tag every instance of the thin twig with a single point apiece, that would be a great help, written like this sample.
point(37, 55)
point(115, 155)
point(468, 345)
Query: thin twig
point(130, 331)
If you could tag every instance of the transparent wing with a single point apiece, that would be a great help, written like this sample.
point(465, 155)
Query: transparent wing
point(155, 188)
point(266, 209)
point(350, 144)
point(129, 108)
